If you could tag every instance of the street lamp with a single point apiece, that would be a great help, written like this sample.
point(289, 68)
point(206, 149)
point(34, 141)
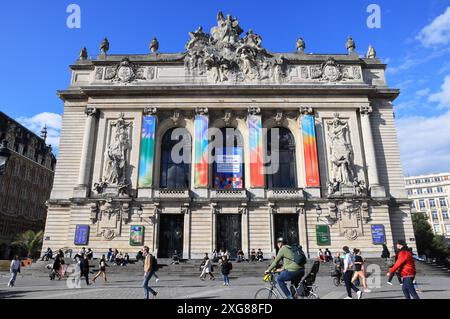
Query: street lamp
point(5, 153)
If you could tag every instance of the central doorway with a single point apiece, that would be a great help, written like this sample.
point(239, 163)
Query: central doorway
point(286, 226)
point(171, 235)
point(228, 233)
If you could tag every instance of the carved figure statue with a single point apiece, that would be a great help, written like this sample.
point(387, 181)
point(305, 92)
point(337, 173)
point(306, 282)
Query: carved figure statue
point(341, 152)
point(104, 46)
point(371, 53)
point(301, 45)
point(116, 155)
point(350, 45)
point(154, 45)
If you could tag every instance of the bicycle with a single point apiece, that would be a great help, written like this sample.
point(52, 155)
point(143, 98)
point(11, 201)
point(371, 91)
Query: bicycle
point(302, 291)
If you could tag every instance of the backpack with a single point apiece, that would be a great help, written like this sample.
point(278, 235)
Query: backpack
point(299, 255)
point(154, 263)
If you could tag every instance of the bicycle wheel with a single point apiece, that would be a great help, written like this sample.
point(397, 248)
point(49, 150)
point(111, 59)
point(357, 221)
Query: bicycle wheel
point(266, 293)
point(313, 296)
point(336, 281)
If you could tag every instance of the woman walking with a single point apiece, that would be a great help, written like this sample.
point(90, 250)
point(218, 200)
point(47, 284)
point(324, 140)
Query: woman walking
point(360, 271)
point(14, 269)
point(102, 269)
point(207, 268)
point(226, 267)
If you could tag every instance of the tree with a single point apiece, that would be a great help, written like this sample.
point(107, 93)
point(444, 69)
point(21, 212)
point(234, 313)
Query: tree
point(423, 232)
point(439, 247)
point(30, 241)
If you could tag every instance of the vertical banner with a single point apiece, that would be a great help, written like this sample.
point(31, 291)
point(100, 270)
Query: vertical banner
point(201, 151)
point(147, 155)
point(256, 151)
point(310, 151)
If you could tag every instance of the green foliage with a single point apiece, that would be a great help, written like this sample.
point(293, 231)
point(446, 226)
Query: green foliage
point(428, 244)
point(30, 241)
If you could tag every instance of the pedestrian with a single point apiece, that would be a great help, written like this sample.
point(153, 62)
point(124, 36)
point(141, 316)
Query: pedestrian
point(338, 266)
point(109, 254)
point(14, 268)
point(148, 273)
point(175, 258)
point(328, 255)
point(155, 268)
point(253, 255)
point(320, 255)
point(207, 268)
point(226, 268)
point(240, 256)
point(62, 267)
point(405, 263)
point(47, 255)
point(348, 274)
point(101, 269)
point(397, 274)
point(56, 267)
point(80, 254)
point(360, 271)
point(84, 269)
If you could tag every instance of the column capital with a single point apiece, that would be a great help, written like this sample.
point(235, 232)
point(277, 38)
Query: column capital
point(201, 111)
point(306, 110)
point(254, 110)
point(150, 111)
point(91, 111)
point(365, 110)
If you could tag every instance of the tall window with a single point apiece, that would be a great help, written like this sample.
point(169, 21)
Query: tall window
point(421, 203)
point(228, 165)
point(175, 168)
point(419, 191)
point(285, 176)
point(442, 202)
point(432, 203)
point(445, 215)
point(434, 215)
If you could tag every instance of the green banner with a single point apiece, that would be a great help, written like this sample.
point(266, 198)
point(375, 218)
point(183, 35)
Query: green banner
point(323, 235)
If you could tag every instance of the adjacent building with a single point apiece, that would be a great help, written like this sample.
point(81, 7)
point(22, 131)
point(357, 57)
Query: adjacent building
point(228, 146)
point(26, 184)
point(430, 195)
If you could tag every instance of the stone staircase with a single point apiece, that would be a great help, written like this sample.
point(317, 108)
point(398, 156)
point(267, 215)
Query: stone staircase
point(190, 268)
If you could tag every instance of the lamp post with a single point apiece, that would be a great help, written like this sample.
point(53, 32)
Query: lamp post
point(5, 153)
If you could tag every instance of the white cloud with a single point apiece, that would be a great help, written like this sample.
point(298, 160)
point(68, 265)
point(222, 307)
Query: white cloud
point(424, 143)
point(38, 121)
point(437, 32)
point(422, 93)
point(442, 97)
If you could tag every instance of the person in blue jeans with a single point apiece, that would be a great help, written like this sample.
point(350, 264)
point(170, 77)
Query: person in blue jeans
point(148, 273)
point(226, 267)
point(291, 271)
point(14, 269)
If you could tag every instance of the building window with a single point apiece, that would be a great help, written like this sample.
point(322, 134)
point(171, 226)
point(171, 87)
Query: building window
point(434, 215)
point(445, 215)
point(419, 191)
point(432, 203)
point(285, 176)
point(440, 190)
point(421, 203)
point(447, 228)
point(409, 192)
point(437, 228)
point(429, 190)
point(175, 172)
point(417, 181)
point(427, 180)
point(228, 165)
point(442, 202)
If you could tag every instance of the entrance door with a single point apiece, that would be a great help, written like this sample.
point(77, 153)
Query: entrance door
point(286, 226)
point(170, 235)
point(228, 233)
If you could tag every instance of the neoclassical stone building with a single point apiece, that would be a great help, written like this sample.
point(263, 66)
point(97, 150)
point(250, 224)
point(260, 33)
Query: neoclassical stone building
point(307, 150)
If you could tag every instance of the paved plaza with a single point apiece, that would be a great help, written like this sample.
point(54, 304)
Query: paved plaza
point(127, 286)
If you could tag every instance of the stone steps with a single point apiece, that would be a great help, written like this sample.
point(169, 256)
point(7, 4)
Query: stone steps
point(190, 268)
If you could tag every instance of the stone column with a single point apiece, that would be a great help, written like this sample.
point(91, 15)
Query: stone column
point(186, 210)
point(245, 233)
point(376, 190)
point(82, 190)
point(303, 232)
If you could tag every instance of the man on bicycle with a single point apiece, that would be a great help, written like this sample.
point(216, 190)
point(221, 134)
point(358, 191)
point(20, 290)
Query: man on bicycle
point(291, 271)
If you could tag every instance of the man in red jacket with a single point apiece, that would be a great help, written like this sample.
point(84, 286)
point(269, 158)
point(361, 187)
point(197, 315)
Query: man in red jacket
point(405, 265)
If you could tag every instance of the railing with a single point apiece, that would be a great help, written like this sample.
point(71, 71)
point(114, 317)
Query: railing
point(172, 194)
point(285, 194)
point(231, 194)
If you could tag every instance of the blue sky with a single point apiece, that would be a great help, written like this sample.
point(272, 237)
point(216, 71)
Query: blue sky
point(414, 39)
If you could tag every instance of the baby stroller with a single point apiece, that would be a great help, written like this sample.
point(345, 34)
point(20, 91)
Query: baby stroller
point(306, 288)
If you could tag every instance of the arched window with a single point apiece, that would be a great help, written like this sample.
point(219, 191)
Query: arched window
point(175, 167)
point(228, 165)
point(286, 174)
